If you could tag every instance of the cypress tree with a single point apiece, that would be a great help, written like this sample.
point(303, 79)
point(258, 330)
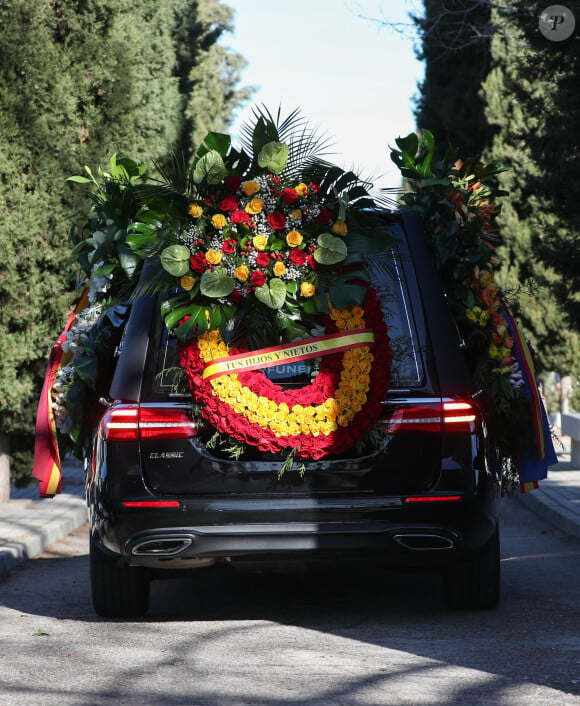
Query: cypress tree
point(532, 105)
point(80, 80)
point(456, 57)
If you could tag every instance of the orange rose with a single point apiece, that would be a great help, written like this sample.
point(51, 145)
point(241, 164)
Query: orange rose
point(255, 206)
point(294, 238)
point(218, 220)
point(241, 273)
point(279, 268)
point(187, 282)
point(339, 228)
point(213, 257)
point(250, 188)
point(195, 210)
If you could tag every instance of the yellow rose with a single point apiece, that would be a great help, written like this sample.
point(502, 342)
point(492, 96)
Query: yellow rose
point(260, 242)
point(293, 429)
point(294, 238)
point(301, 189)
point(279, 268)
point(195, 210)
point(296, 214)
point(307, 289)
point(241, 273)
point(255, 206)
point(283, 409)
point(187, 283)
point(218, 220)
point(339, 228)
point(213, 257)
point(250, 188)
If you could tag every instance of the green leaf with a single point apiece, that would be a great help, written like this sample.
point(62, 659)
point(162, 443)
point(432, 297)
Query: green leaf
point(272, 294)
point(216, 283)
point(79, 179)
point(104, 270)
point(128, 259)
point(174, 316)
point(143, 243)
point(210, 168)
point(330, 249)
point(273, 156)
point(217, 142)
point(344, 292)
point(194, 326)
point(175, 260)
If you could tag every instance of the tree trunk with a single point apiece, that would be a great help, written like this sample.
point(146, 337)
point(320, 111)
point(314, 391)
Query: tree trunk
point(565, 393)
point(4, 468)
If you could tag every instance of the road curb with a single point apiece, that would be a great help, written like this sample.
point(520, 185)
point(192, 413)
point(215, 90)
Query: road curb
point(28, 527)
point(553, 512)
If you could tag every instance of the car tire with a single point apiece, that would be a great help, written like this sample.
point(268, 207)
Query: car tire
point(117, 592)
point(474, 583)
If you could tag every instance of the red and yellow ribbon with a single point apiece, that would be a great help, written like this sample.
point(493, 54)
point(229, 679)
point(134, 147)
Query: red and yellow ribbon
point(298, 350)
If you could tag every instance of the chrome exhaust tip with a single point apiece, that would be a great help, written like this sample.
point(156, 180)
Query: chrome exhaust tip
point(422, 542)
point(162, 546)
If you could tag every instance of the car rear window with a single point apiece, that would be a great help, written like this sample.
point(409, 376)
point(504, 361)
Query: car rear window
point(388, 279)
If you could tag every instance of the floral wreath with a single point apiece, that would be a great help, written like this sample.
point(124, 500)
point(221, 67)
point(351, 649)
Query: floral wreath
point(329, 415)
point(254, 247)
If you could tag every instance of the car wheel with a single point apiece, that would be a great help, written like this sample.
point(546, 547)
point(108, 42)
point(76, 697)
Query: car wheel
point(474, 583)
point(117, 592)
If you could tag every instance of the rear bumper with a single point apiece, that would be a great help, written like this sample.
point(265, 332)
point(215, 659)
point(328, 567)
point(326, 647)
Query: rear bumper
point(298, 541)
point(381, 530)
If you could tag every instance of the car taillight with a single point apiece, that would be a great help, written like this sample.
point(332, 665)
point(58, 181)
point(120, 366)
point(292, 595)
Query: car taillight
point(132, 423)
point(444, 416)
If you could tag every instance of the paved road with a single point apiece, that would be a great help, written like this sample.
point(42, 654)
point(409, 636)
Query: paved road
point(225, 639)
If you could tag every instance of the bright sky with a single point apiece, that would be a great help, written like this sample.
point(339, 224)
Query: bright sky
point(349, 76)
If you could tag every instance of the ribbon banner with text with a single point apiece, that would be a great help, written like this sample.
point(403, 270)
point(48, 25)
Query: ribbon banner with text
point(290, 352)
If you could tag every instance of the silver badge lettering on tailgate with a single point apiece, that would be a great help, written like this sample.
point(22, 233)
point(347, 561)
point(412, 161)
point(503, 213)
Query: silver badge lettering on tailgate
point(166, 454)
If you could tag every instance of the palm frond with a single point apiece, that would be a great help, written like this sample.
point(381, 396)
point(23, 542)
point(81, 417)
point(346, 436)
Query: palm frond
point(306, 144)
point(175, 173)
point(253, 325)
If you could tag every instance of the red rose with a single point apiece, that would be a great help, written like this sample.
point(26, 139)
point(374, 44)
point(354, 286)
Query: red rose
point(297, 256)
point(236, 296)
point(229, 203)
point(276, 220)
point(289, 196)
point(311, 262)
point(233, 183)
point(198, 263)
point(257, 278)
point(229, 246)
point(239, 216)
point(324, 217)
point(262, 259)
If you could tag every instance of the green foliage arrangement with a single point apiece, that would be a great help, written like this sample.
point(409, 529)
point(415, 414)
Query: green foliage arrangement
point(457, 201)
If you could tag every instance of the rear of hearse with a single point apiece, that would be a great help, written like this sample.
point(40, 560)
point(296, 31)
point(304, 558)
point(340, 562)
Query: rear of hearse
point(163, 497)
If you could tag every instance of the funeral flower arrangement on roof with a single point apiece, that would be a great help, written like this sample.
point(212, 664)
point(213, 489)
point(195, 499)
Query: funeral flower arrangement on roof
point(458, 202)
point(258, 249)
